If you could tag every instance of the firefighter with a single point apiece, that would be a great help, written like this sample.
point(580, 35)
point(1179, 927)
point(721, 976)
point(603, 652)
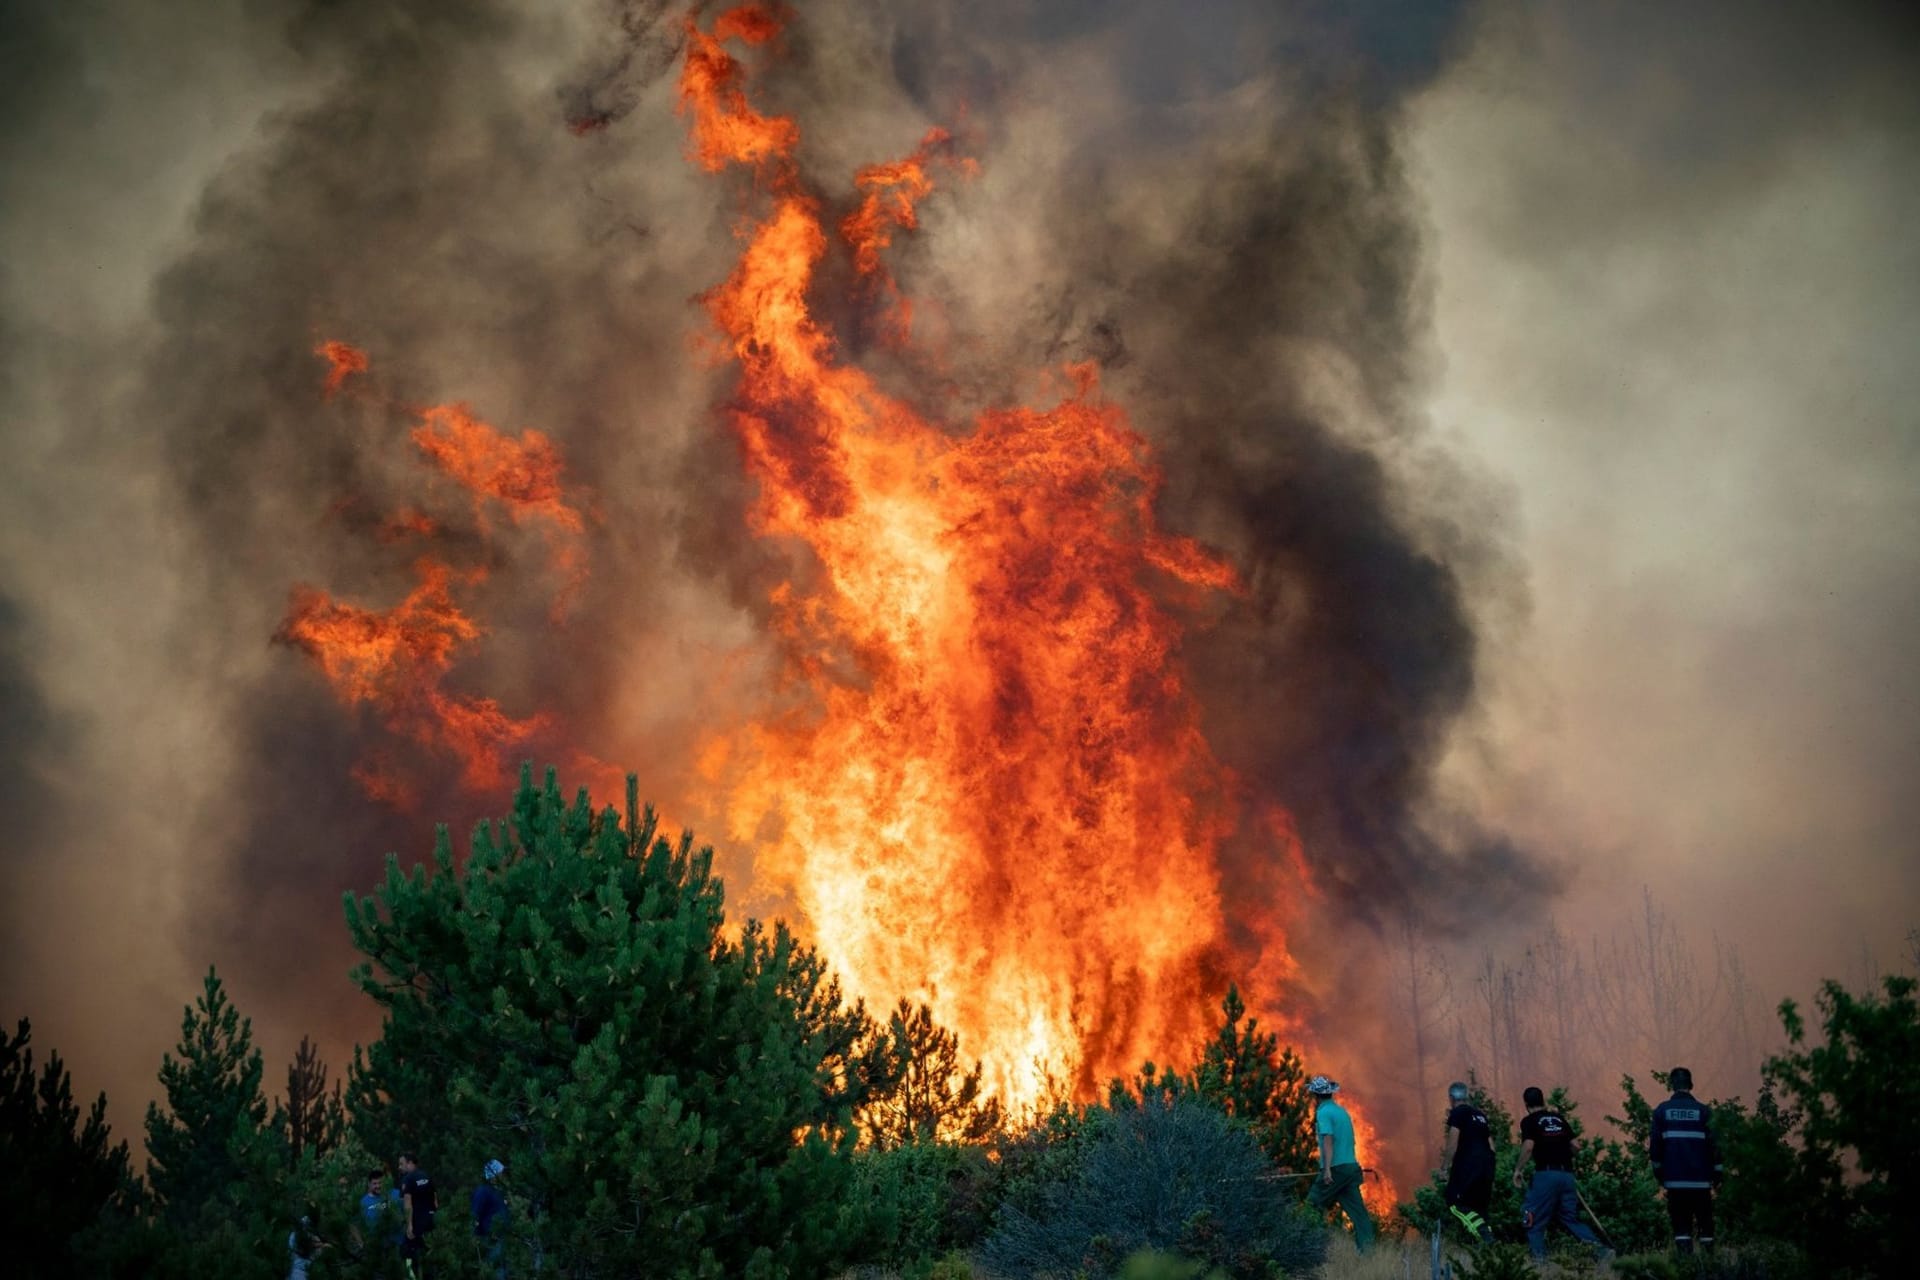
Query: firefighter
point(1686, 1162)
point(1467, 1157)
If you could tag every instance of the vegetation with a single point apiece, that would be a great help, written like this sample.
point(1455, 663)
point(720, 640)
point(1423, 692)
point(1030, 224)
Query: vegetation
point(57, 1171)
point(1168, 1173)
point(669, 1100)
point(676, 1096)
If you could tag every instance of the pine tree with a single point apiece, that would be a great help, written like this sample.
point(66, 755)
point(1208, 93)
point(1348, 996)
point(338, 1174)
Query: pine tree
point(312, 1118)
point(216, 1171)
point(924, 1095)
point(1855, 1098)
point(214, 1112)
point(56, 1170)
point(668, 1101)
point(1245, 1073)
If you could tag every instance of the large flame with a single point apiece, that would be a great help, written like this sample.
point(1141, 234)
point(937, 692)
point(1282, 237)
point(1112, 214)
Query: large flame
point(996, 797)
point(985, 787)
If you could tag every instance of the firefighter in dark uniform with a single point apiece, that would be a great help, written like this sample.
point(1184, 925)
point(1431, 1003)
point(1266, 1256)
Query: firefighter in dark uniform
point(1468, 1159)
point(1686, 1162)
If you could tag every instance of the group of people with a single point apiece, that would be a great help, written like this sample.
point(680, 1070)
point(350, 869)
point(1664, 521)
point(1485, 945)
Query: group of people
point(1686, 1162)
point(401, 1218)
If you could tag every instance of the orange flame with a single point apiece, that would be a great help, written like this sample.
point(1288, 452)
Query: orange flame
point(998, 799)
point(396, 662)
point(522, 474)
point(726, 130)
point(343, 362)
point(891, 193)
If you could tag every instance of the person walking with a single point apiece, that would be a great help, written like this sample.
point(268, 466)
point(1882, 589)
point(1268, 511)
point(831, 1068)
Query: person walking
point(1547, 1140)
point(419, 1202)
point(490, 1216)
point(1686, 1162)
point(1340, 1172)
point(1467, 1157)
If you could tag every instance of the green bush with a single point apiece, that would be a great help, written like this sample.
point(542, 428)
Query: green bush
point(1499, 1262)
point(929, 1200)
point(1174, 1176)
point(1151, 1264)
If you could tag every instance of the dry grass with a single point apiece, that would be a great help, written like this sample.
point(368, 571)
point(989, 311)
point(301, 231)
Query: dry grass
point(1389, 1259)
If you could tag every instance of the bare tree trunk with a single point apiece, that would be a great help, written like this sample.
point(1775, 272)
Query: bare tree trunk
point(1425, 1000)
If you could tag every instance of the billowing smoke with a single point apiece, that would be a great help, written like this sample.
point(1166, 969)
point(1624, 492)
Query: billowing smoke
point(490, 201)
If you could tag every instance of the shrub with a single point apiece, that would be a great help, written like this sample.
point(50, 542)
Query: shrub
point(1499, 1262)
point(1150, 1264)
point(1168, 1175)
point(928, 1200)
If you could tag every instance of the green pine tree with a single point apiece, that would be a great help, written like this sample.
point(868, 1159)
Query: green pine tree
point(57, 1171)
point(312, 1117)
point(1245, 1073)
point(668, 1100)
point(216, 1168)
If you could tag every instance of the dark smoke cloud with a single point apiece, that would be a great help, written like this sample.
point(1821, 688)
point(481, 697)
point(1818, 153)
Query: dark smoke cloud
point(429, 206)
point(411, 188)
point(609, 86)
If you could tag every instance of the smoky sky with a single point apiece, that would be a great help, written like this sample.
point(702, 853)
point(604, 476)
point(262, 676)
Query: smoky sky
point(1217, 203)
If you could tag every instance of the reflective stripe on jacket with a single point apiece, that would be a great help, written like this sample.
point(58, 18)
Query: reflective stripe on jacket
point(1681, 1144)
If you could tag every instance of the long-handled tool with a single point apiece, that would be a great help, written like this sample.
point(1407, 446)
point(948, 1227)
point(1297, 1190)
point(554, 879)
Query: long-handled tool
point(1294, 1177)
point(1597, 1224)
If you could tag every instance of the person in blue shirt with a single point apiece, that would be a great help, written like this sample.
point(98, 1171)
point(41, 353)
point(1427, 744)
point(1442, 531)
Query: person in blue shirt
point(490, 1215)
point(1340, 1171)
point(381, 1204)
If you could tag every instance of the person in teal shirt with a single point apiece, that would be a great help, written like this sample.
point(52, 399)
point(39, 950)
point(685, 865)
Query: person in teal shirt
point(1340, 1173)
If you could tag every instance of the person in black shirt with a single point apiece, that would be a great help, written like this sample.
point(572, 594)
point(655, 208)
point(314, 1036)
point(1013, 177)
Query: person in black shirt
point(1468, 1159)
point(1686, 1160)
point(418, 1203)
point(1547, 1140)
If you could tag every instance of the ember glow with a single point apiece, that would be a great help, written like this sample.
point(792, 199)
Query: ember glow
point(343, 360)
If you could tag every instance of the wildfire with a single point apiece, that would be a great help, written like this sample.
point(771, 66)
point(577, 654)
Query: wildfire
point(997, 798)
point(986, 788)
point(520, 474)
point(397, 661)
